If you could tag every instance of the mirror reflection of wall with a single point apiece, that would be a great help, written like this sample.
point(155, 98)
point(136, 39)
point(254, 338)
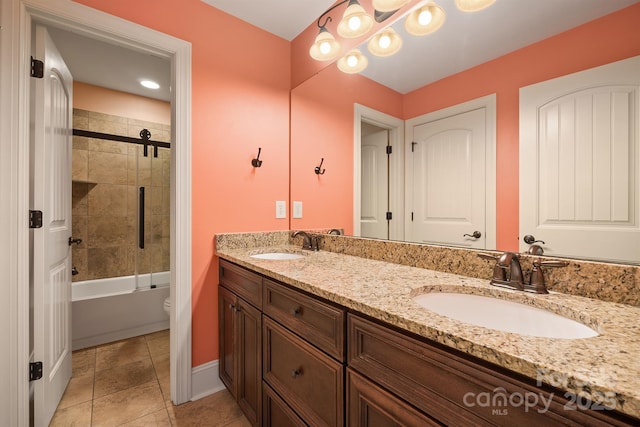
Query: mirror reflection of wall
point(322, 116)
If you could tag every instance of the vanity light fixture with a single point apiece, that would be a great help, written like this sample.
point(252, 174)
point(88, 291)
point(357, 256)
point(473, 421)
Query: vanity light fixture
point(353, 62)
point(385, 43)
point(425, 17)
point(149, 84)
point(473, 5)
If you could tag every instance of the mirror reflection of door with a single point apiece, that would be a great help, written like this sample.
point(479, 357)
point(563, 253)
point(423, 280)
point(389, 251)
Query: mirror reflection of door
point(375, 182)
point(448, 157)
point(579, 163)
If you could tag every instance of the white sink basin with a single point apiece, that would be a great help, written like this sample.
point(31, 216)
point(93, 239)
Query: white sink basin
point(507, 316)
point(277, 256)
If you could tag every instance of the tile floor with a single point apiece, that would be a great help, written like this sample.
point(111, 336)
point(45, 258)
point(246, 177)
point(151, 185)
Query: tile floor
point(126, 383)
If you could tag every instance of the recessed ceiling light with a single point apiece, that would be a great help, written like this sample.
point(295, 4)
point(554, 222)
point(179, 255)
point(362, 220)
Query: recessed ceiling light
point(150, 84)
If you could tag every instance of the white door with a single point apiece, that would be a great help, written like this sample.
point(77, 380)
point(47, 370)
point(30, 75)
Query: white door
point(448, 180)
point(51, 251)
point(374, 183)
point(580, 161)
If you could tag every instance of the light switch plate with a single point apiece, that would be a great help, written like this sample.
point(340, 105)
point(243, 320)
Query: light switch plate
point(297, 209)
point(281, 209)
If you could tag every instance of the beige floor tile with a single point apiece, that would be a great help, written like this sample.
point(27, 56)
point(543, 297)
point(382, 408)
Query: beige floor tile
point(158, 343)
point(161, 365)
point(242, 421)
point(79, 390)
point(83, 361)
point(127, 405)
point(165, 387)
point(112, 380)
point(157, 419)
point(121, 353)
point(73, 416)
point(218, 409)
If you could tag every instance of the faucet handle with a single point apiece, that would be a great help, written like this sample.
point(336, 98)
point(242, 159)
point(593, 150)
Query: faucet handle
point(536, 281)
point(499, 272)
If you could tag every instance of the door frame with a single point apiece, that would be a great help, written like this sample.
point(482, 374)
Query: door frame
point(487, 102)
point(17, 17)
point(395, 127)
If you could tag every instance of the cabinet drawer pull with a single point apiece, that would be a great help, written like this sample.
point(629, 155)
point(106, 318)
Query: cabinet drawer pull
point(233, 307)
point(296, 373)
point(295, 311)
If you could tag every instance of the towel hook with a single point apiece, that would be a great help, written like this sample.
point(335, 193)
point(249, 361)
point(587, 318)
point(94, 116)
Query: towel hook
point(318, 169)
point(256, 163)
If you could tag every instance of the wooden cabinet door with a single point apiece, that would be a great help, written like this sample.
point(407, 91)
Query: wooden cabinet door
point(371, 406)
point(226, 339)
point(249, 360)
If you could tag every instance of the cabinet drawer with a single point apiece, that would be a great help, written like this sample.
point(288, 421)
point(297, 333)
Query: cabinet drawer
point(242, 282)
point(450, 387)
point(319, 323)
point(311, 382)
point(371, 406)
point(276, 413)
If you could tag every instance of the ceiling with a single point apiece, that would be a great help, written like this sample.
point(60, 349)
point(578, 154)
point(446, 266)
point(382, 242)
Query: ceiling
point(465, 40)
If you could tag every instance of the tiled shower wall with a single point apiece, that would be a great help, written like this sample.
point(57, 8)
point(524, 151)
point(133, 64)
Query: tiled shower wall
point(106, 177)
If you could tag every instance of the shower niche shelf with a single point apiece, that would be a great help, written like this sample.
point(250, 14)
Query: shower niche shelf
point(83, 181)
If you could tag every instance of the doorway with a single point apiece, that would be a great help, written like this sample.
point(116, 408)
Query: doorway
point(378, 191)
point(95, 24)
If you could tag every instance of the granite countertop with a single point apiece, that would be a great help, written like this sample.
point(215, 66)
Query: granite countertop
point(605, 368)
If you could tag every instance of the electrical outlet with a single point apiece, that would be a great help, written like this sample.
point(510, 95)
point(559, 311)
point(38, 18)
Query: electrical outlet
point(297, 209)
point(281, 209)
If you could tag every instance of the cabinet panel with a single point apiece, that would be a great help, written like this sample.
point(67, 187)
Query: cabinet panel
point(242, 282)
point(371, 406)
point(311, 382)
point(275, 412)
point(249, 359)
point(450, 387)
point(319, 323)
point(226, 342)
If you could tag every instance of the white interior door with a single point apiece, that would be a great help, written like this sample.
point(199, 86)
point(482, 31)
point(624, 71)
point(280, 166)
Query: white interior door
point(51, 251)
point(375, 183)
point(448, 180)
point(580, 161)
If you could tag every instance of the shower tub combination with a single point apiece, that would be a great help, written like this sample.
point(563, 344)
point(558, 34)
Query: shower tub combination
point(107, 310)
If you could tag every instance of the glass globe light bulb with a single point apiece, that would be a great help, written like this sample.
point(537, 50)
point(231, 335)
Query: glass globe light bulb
point(354, 23)
point(325, 48)
point(424, 18)
point(384, 41)
point(352, 60)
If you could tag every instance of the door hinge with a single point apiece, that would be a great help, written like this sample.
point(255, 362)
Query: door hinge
point(37, 68)
point(35, 219)
point(389, 149)
point(411, 216)
point(413, 146)
point(389, 216)
point(35, 371)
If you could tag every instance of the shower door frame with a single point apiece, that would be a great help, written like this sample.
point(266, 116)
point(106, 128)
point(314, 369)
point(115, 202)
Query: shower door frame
point(19, 16)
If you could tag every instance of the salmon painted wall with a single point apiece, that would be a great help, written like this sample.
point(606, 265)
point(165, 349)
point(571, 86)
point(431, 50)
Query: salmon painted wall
point(240, 101)
point(608, 39)
point(100, 99)
point(322, 127)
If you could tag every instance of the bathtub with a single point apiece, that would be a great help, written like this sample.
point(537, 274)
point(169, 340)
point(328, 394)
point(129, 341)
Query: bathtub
point(112, 309)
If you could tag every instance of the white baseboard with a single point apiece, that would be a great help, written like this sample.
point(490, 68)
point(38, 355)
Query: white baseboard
point(205, 380)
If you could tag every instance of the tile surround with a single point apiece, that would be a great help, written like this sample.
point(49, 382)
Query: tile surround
point(106, 177)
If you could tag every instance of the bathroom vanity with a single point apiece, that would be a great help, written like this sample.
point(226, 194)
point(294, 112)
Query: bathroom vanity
point(331, 339)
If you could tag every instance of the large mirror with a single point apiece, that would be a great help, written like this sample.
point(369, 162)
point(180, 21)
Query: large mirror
point(331, 109)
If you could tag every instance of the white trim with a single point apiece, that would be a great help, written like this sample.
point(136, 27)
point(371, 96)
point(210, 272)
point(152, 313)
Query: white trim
point(205, 380)
point(396, 173)
point(489, 104)
point(15, 40)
